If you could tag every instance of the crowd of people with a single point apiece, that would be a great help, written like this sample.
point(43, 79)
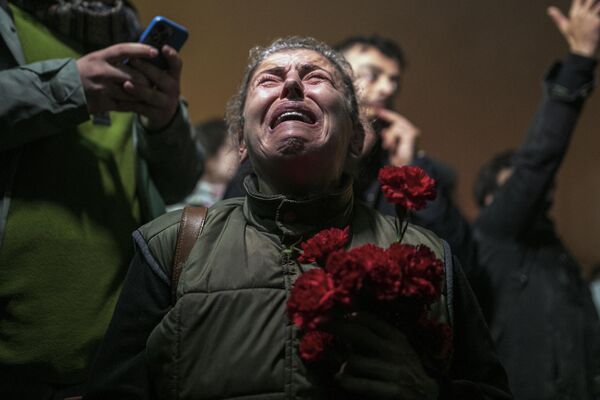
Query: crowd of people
point(93, 149)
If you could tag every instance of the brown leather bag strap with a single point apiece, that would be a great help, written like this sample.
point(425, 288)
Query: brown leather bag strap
point(190, 226)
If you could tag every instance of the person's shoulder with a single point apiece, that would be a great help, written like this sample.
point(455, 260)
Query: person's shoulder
point(227, 204)
point(166, 226)
point(159, 236)
point(417, 235)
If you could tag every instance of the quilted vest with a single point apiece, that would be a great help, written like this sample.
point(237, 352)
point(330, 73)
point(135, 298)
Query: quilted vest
point(228, 335)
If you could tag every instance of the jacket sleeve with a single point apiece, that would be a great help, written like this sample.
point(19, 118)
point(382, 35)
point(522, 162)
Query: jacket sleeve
point(173, 156)
point(539, 157)
point(120, 369)
point(39, 100)
point(475, 371)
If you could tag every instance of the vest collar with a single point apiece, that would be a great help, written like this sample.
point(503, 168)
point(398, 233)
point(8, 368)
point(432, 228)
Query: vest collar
point(297, 219)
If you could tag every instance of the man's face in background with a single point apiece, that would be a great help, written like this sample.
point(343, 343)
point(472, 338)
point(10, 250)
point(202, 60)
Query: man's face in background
point(377, 77)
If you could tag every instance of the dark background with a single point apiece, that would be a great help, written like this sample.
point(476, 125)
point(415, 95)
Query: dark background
point(472, 85)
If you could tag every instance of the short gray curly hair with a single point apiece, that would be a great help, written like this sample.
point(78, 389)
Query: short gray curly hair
point(234, 116)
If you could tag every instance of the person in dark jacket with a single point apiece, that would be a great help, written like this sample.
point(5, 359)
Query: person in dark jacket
point(226, 335)
point(89, 149)
point(538, 307)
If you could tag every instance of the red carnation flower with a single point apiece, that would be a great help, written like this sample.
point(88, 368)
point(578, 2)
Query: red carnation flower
point(408, 186)
point(422, 270)
point(311, 298)
point(313, 344)
point(318, 248)
point(385, 276)
point(348, 272)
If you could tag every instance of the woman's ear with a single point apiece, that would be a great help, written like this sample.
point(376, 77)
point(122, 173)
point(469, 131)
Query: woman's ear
point(357, 141)
point(243, 149)
point(243, 153)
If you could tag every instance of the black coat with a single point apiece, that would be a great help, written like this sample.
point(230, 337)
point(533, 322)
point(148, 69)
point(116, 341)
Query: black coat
point(537, 305)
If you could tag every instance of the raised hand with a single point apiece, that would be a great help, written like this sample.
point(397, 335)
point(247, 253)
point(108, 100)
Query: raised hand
point(103, 74)
point(158, 102)
point(399, 138)
point(581, 28)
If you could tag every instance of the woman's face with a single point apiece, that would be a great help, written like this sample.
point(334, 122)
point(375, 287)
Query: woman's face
point(297, 127)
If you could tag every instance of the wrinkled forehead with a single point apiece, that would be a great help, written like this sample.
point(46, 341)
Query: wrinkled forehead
point(300, 59)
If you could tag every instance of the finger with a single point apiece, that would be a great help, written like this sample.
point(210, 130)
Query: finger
point(561, 22)
point(116, 93)
point(394, 340)
point(368, 388)
point(366, 367)
point(116, 74)
point(596, 8)
point(390, 138)
point(360, 338)
point(388, 115)
point(146, 94)
point(174, 62)
point(157, 76)
point(136, 76)
point(379, 327)
point(122, 51)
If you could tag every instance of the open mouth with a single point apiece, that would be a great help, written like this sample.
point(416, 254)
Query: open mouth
point(292, 112)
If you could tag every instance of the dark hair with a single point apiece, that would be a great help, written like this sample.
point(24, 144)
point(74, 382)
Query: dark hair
point(387, 47)
point(235, 107)
point(487, 178)
point(211, 135)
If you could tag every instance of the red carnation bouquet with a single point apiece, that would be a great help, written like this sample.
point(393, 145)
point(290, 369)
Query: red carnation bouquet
point(399, 283)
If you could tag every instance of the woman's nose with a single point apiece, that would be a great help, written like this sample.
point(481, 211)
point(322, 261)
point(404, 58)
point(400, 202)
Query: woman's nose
point(292, 89)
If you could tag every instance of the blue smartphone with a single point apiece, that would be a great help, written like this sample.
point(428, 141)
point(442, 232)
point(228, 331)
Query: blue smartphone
point(163, 31)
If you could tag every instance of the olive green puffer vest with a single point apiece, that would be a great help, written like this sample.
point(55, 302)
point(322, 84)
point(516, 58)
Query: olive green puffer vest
point(228, 335)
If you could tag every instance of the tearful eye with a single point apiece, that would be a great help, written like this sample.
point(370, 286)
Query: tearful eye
point(267, 80)
point(316, 78)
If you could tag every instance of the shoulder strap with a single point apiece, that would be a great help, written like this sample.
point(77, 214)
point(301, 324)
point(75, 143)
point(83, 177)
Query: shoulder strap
point(190, 226)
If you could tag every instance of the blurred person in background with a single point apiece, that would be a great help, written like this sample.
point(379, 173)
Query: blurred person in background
point(90, 148)
point(537, 304)
point(221, 161)
point(379, 66)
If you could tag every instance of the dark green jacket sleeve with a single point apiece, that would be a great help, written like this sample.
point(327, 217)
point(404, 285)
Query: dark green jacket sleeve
point(39, 100)
point(172, 155)
point(120, 369)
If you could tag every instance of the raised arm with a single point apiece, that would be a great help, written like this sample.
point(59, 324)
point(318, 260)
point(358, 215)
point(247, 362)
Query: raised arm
point(537, 161)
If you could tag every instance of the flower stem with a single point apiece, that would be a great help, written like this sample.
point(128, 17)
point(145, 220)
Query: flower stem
point(401, 222)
